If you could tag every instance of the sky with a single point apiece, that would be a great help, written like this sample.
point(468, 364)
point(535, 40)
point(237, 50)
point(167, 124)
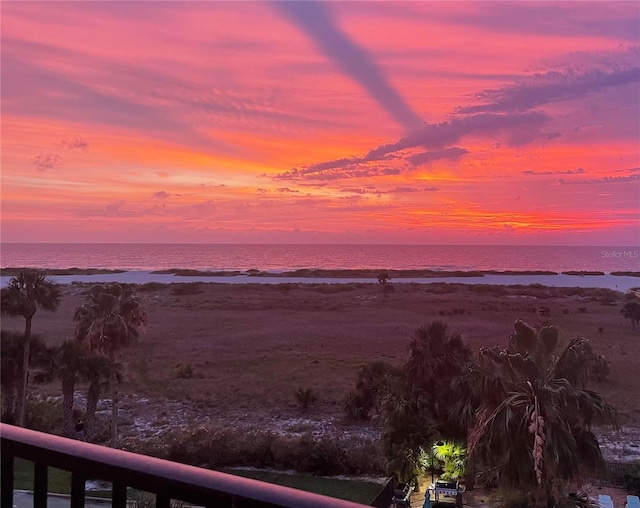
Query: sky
point(321, 122)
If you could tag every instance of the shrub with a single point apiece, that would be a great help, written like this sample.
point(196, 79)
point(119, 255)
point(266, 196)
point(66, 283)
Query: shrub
point(544, 311)
point(603, 295)
point(383, 278)
point(184, 371)
point(580, 499)
point(226, 447)
point(287, 454)
point(305, 397)
point(150, 287)
point(366, 459)
point(257, 449)
point(371, 384)
point(355, 407)
point(204, 446)
point(488, 289)
point(189, 288)
point(631, 481)
point(441, 288)
point(329, 289)
point(286, 286)
point(513, 499)
point(574, 291)
point(327, 457)
point(44, 414)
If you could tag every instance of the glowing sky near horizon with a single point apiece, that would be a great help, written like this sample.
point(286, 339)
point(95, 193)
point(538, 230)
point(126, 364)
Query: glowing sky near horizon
point(337, 122)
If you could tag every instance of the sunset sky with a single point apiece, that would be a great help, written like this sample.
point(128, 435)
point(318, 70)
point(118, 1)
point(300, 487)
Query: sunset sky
point(321, 122)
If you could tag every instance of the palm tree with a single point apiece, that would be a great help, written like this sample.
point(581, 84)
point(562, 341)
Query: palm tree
point(110, 321)
point(11, 351)
point(368, 393)
point(631, 310)
point(67, 363)
point(408, 429)
point(99, 374)
point(414, 403)
point(535, 419)
point(305, 397)
point(436, 360)
point(26, 292)
point(71, 367)
point(453, 456)
point(384, 278)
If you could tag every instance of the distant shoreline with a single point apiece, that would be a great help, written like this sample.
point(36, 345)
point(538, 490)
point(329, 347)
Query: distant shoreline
point(618, 281)
point(364, 273)
point(11, 271)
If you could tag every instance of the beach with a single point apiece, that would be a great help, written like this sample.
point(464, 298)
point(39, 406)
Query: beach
point(615, 282)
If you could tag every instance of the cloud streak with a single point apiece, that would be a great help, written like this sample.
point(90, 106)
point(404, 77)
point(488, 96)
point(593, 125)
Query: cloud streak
point(604, 179)
point(315, 20)
point(551, 87)
point(75, 143)
point(47, 161)
point(517, 128)
point(578, 171)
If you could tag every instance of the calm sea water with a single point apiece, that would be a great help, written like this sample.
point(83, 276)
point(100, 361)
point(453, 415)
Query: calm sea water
point(289, 257)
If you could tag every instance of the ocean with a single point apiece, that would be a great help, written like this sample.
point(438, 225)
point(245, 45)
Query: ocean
point(147, 257)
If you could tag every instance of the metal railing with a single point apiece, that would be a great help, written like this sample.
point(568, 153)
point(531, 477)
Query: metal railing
point(167, 480)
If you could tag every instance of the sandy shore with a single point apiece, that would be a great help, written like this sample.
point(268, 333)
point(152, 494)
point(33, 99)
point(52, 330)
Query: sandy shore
point(616, 282)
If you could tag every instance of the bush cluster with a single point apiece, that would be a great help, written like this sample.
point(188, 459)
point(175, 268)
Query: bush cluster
point(225, 447)
point(632, 481)
point(187, 288)
point(488, 289)
point(44, 414)
point(184, 371)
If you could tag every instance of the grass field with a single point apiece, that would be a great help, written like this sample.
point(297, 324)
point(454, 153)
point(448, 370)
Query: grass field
point(358, 491)
point(250, 346)
point(59, 480)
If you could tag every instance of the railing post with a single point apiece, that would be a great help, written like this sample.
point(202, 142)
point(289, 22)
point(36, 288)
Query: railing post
point(6, 498)
point(119, 495)
point(162, 500)
point(77, 490)
point(40, 485)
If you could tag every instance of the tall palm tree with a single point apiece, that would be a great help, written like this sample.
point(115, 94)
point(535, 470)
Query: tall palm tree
point(67, 363)
point(414, 404)
point(110, 321)
point(71, 367)
point(26, 292)
point(99, 375)
point(536, 416)
point(407, 430)
point(371, 384)
point(11, 351)
point(436, 359)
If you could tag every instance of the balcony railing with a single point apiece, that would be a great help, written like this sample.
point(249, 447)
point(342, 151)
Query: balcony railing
point(167, 480)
